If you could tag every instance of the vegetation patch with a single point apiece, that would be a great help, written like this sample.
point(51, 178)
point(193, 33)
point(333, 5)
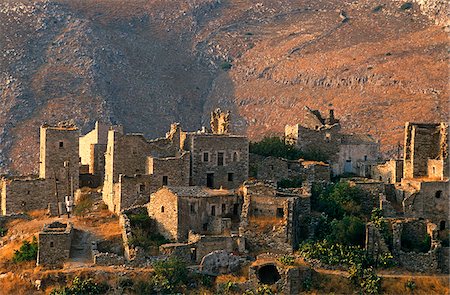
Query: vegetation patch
point(83, 206)
point(144, 233)
point(406, 6)
point(277, 147)
point(226, 66)
point(27, 252)
point(82, 286)
point(289, 183)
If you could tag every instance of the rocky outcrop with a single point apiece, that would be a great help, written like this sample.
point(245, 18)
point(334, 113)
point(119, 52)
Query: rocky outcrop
point(437, 10)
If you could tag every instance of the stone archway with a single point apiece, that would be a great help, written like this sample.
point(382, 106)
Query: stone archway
point(268, 274)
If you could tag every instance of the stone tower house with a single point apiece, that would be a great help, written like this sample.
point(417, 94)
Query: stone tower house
point(59, 159)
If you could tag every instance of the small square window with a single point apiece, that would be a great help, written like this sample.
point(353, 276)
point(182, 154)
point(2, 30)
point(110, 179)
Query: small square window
point(165, 180)
point(61, 144)
point(280, 212)
point(230, 176)
point(205, 157)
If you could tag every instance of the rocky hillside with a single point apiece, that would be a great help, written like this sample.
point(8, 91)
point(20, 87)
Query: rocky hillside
point(145, 64)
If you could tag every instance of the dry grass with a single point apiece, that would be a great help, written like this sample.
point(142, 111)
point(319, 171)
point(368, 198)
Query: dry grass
point(223, 279)
point(425, 285)
point(264, 222)
point(330, 284)
point(13, 284)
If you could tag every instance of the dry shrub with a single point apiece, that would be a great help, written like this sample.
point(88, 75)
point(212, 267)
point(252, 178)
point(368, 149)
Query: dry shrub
point(12, 284)
point(425, 285)
point(264, 222)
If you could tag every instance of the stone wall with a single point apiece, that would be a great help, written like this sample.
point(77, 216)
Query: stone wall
point(269, 168)
point(272, 220)
point(423, 142)
point(288, 279)
point(172, 171)
point(426, 199)
point(276, 169)
point(389, 172)
point(208, 244)
point(107, 259)
point(416, 230)
point(26, 194)
point(201, 211)
point(128, 155)
point(347, 153)
point(164, 209)
point(54, 243)
point(225, 158)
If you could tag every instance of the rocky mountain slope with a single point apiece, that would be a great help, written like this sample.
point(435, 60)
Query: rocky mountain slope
point(145, 64)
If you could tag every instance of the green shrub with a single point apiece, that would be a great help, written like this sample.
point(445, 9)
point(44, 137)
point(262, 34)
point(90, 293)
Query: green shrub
point(82, 287)
point(377, 8)
point(261, 290)
point(332, 253)
point(277, 147)
point(83, 207)
point(227, 288)
point(226, 66)
point(386, 260)
point(406, 6)
point(2, 231)
point(287, 260)
point(337, 200)
point(410, 244)
point(410, 285)
point(27, 252)
point(144, 233)
point(169, 275)
point(350, 231)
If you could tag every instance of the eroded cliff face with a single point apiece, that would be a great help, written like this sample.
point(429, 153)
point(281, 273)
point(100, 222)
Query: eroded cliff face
point(147, 64)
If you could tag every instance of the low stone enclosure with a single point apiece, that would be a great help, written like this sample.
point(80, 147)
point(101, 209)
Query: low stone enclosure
point(54, 243)
point(281, 278)
point(414, 244)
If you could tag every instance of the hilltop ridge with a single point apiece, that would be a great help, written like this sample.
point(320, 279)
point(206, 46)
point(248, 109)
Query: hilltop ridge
point(148, 64)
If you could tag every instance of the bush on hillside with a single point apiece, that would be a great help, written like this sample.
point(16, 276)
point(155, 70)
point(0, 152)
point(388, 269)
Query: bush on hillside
point(27, 252)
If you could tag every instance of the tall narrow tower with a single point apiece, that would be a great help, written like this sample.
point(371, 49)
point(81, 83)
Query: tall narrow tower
point(59, 159)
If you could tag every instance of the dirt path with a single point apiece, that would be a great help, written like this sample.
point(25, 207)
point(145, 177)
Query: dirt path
point(80, 251)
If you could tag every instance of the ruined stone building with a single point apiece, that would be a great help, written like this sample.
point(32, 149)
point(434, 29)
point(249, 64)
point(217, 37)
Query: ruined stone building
point(179, 210)
point(257, 217)
point(136, 167)
point(58, 173)
point(198, 220)
point(426, 151)
point(414, 243)
point(390, 172)
point(422, 191)
point(348, 153)
point(92, 150)
point(416, 199)
point(272, 219)
point(54, 243)
point(279, 169)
